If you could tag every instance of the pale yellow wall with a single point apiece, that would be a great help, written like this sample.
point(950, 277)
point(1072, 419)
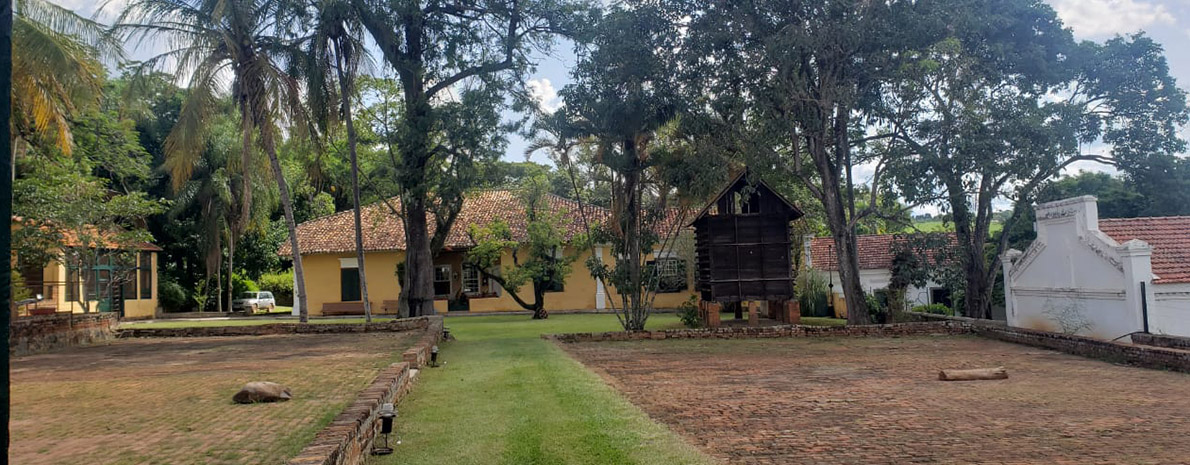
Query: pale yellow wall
point(55, 277)
point(669, 300)
point(323, 284)
point(323, 279)
point(577, 294)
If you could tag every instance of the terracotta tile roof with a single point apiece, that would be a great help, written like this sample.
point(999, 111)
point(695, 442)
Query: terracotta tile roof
point(1168, 236)
point(385, 231)
point(71, 238)
point(875, 251)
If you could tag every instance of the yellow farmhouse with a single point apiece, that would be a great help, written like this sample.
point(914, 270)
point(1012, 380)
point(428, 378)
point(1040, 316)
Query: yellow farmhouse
point(332, 270)
point(127, 285)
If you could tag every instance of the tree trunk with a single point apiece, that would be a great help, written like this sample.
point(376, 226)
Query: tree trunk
point(637, 314)
point(345, 89)
point(419, 262)
point(846, 253)
point(231, 255)
point(539, 312)
point(299, 274)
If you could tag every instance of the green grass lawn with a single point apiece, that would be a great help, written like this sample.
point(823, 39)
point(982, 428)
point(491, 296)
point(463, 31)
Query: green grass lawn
point(506, 396)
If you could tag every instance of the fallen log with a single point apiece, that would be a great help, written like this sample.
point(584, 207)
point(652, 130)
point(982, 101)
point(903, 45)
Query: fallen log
point(974, 374)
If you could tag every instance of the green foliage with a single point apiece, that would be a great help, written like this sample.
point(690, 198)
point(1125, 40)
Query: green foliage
point(280, 284)
point(19, 290)
point(171, 295)
point(688, 313)
point(536, 259)
point(812, 292)
point(241, 284)
point(877, 313)
point(937, 309)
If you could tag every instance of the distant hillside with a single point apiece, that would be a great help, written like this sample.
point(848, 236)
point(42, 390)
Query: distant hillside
point(940, 226)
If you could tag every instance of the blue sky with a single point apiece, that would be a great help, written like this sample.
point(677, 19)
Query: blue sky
point(1167, 21)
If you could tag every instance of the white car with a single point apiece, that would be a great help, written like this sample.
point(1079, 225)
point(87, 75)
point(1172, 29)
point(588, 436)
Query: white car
point(253, 301)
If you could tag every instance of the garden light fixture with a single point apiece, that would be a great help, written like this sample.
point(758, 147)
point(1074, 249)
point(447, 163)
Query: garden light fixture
point(387, 414)
point(434, 356)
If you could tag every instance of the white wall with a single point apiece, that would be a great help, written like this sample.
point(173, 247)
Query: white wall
point(1169, 309)
point(873, 280)
point(1074, 278)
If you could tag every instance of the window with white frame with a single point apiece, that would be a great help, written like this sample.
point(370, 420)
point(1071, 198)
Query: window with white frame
point(442, 280)
point(671, 274)
point(471, 280)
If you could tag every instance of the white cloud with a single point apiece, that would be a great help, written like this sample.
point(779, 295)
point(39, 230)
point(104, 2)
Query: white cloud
point(544, 94)
point(1098, 18)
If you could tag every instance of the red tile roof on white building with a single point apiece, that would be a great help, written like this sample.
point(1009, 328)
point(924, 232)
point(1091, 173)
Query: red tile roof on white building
point(1168, 236)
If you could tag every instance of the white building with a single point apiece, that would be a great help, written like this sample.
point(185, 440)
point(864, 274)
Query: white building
point(875, 268)
point(1100, 278)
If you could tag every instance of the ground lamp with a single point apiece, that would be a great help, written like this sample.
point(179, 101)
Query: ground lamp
point(434, 356)
point(387, 414)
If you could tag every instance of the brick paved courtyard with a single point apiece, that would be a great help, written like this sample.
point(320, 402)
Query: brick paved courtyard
point(877, 400)
point(168, 401)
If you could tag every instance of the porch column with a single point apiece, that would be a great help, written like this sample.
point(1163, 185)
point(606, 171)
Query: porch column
point(753, 313)
point(600, 292)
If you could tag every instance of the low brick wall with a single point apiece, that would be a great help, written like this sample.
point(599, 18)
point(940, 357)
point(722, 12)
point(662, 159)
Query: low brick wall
point(1153, 354)
point(899, 329)
point(419, 354)
point(1162, 340)
point(348, 439)
point(1141, 356)
point(404, 324)
point(30, 335)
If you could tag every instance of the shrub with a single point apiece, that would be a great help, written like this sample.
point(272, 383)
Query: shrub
point(241, 283)
point(171, 295)
point(280, 284)
point(19, 290)
point(876, 312)
point(688, 313)
point(937, 309)
point(812, 292)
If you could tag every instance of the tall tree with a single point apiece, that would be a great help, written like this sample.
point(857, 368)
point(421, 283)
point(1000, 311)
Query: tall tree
point(456, 63)
point(1005, 103)
point(239, 37)
point(794, 81)
point(57, 70)
point(623, 92)
point(337, 47)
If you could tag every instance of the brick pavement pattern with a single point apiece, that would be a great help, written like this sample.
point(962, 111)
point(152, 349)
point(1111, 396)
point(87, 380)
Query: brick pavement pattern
point(879, 401)
point(168, 401)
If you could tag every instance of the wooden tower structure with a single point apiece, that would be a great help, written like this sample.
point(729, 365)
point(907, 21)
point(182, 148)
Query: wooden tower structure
point(742, 241)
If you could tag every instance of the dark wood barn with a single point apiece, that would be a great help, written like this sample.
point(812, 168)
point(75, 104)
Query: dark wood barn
point(742, 239)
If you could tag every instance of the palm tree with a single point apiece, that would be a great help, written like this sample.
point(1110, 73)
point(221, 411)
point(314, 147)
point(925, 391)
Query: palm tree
point(337, 52)
point(56, 71)
point(214, 43)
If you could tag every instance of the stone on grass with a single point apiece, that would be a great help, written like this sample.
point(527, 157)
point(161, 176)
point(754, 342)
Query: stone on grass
point(262, 391)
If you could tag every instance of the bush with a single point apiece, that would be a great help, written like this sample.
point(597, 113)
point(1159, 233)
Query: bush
point(812, 293)
point(876, 312)
point(280, 284)
point(241, 284)
point(171, 295)
point(688, 313)
point(937, 309)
